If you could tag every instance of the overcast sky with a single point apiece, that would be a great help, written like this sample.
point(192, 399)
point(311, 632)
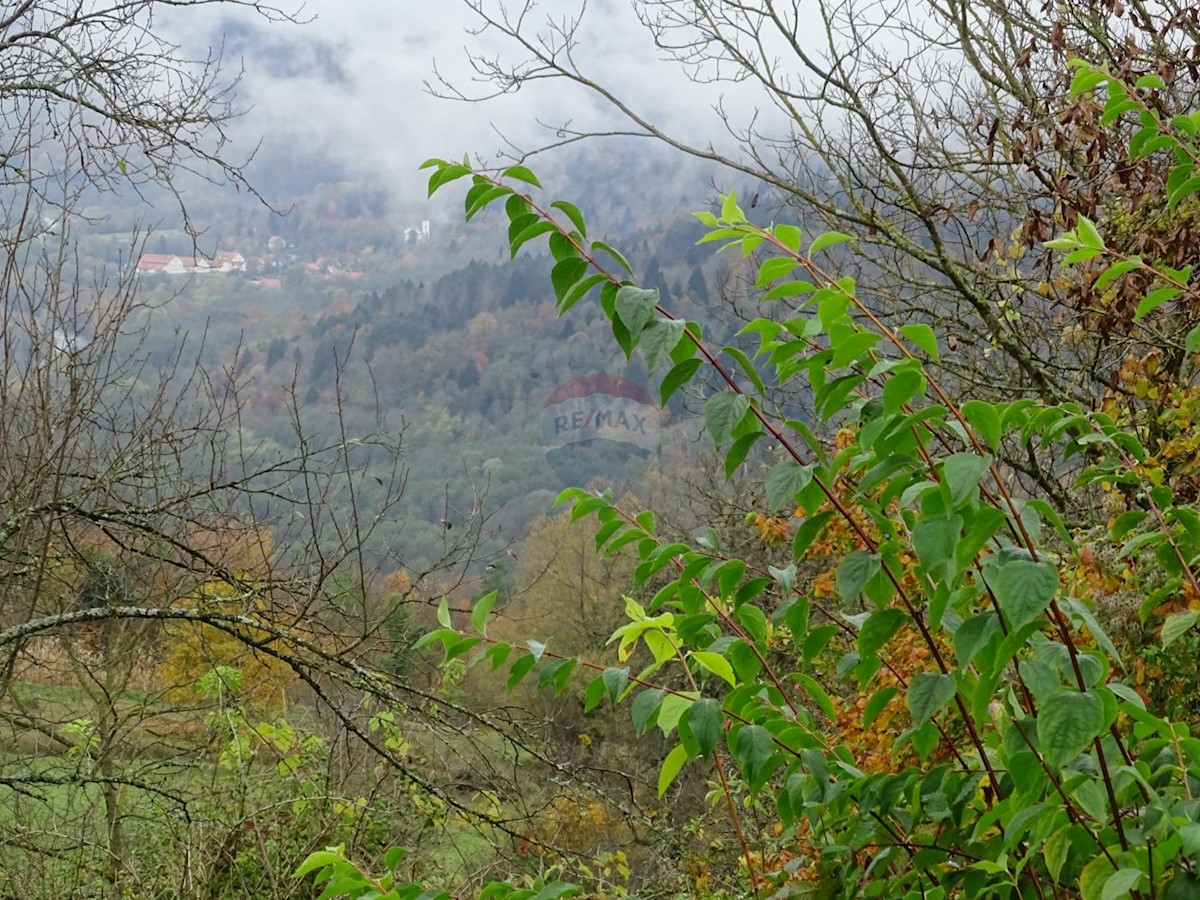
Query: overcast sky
point(360, 92)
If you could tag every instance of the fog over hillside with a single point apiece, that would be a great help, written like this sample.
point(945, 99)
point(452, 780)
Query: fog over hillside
point(357, 84)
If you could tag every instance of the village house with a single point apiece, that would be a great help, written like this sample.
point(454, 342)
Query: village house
point(168, 264)
point(414, 234)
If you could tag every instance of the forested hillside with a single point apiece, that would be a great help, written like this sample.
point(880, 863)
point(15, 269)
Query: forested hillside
point(437, 338)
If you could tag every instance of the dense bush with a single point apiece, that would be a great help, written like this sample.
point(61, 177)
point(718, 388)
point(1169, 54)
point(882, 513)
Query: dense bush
point(923, 696)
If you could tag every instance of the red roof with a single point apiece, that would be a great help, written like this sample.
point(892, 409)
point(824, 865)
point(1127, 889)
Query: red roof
point(161, 260)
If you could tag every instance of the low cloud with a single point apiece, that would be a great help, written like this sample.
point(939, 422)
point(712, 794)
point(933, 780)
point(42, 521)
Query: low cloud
point(351, 85)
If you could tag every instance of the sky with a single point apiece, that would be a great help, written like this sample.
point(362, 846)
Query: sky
point(353, 82)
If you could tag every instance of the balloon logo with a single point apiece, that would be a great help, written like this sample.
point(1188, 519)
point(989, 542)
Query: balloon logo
point(599, 427)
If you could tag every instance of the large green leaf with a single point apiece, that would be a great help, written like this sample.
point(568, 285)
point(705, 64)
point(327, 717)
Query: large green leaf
point(1023, 588)
point(659, 339)
point(635, 307)
point(670, 768)
point(878, 629)
point(928, 693)
point(962, 472)
point(935, 539)
point(723, 412)
point(706, 721)
point(615, 681)
point(566, 274)
point(1067, 722)
point(679, 375)
point(644, 709)
point(1121, 884)
point(483, 608)
point(671, 711)
point(716, 664)
point(853, 573)
point(784, 482)
point(1177, 626)
point(923, 336)
point(973, 634)
point(754, 752)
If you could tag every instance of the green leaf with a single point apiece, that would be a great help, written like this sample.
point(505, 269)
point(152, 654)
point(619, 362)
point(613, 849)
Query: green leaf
point(621, 260)
point(723, 412)
point(1177, 626)
point(483, 608)
point(706, 722)
point(901, 388)
point(318, 860)
point(1185, 189)
point(659, 339)
point(478, 202)
point(1088, 235)
point(747, 367)
point(923, 336)
point(972, 635)
point(1078, 256)
point(520, 669)
point(789, 289)
point(754, 752)
point(1023, 588)
point(1056, 850)
point(817, 693)
point(529, 233)
point(1067, 722)
point(739, 449)
point(1122, 882)
point(566, 274)
point(773, 269)
point(645, 708)
point(789, 236)
point(716, 664)
point(446, 174)
point(730, 211)
point(1192, 342)
point(521, 173)
point(556, 675)
point(878, 629)
point(985, 419)
point(670, 768)
point(935, 539)
point(1095, 873)
point(961, 473)
point(593, 694)
point(853, 573)
point(679, 375)
point(754, 621)
point(573, 213)
point(1115, 271)
point(852, 349)
point(877, 703)
point(816, 641)
point(1190, 833)
point(784, 482)
point(928, 693)
point(671, 711)
point(828, 239)
point(615, 681)
point(580, 290)
point(443, 614)
point(1155, 299)
point(635, 307)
